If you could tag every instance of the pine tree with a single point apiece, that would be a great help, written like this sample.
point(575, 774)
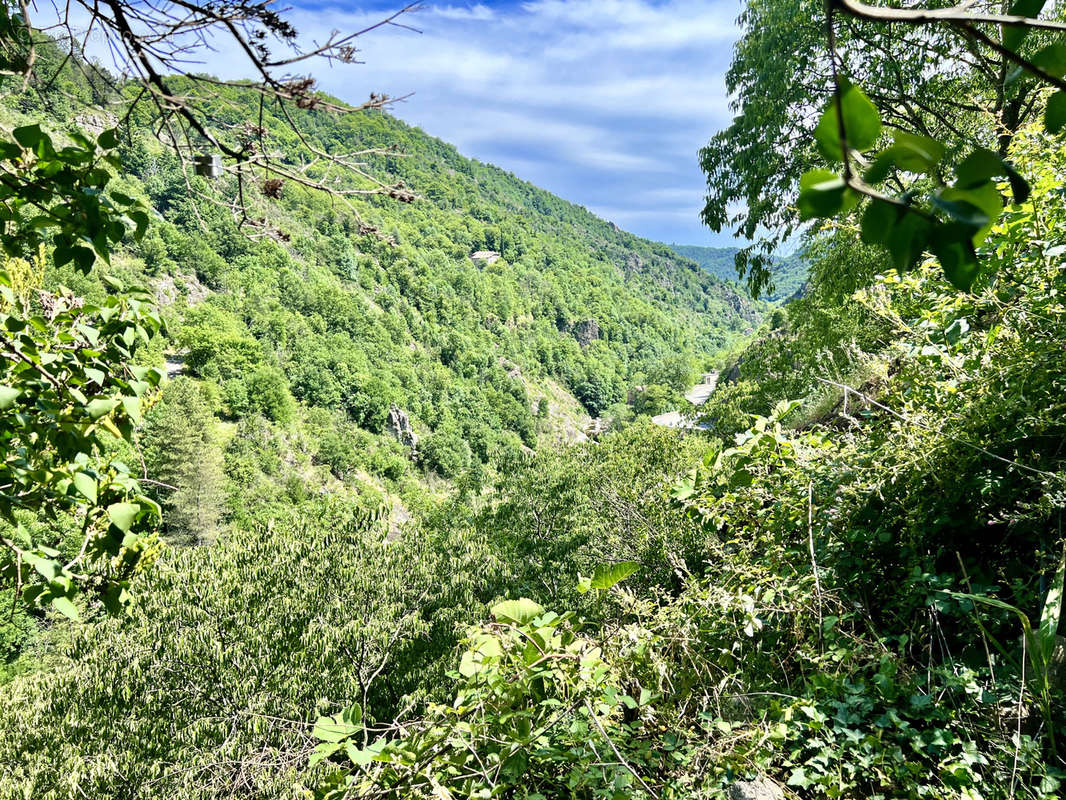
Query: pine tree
point(181, 452)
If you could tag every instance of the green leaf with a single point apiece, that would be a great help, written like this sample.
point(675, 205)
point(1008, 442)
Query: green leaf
point(357, 756)
point(519, 611)
point(100, 407)
point(8, 396)
point(952, 244)
point(66, 608)
point(122, 515)
point(821, 194)
point(986, 198)
point(1051, 59)
point(982, 165)
point(322, 751)
point(86, 485)
point(977, 168)
point(877, 221)
point(907, 240)
point(1015, 35)
point(1050, 616)
point(915, 153)
point(607, 575)
point(862, 123)
point(1055, 113)
point(29, 136)
point(335, 728)
point(108, 139)
point(961, 211)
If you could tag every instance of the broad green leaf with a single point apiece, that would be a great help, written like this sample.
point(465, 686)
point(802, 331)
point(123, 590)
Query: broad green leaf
point(952, 244)
point(519, 611)
point(8, 396)
point(977, 168)
point(122, 515)
point(1055, 113)
point(961, 211)
point(877, 221)
point(65, 607)
point(323, 751)
point(1051, 59)
point(108, 139)
point(982, 165)
point(986, 198)
point(1015, 35)
point(332, 729)
point(862, 123)
point(915, 153)
point(47, 568)
point(357, 756)
point(100, 407)
point(821, 194)
point(907, 240)
point(29, 136)
point(86, 485)
point(607, 575)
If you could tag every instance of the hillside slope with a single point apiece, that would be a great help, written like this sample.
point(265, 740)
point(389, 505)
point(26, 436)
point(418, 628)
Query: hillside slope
point(389, 338)
point(789, 272)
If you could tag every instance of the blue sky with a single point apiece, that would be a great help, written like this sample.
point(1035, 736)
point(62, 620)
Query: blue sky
point(603, 102)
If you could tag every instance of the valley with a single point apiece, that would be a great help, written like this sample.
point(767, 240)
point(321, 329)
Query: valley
point(338, 465)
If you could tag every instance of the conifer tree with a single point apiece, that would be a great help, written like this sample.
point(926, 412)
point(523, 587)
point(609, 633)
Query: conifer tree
point(183, 456)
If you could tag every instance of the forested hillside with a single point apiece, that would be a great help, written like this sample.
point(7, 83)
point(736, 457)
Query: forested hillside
point(789, 272)
point(309, 518)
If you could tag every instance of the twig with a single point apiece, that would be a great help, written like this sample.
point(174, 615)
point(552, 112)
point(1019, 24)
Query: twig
point(621, 759)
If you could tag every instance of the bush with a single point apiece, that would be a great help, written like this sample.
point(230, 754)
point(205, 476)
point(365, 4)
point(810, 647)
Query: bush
point(268, 393)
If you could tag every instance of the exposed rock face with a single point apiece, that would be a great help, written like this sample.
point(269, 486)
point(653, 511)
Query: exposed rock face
point(585, 331)
point(759, 789)
point(399, 425)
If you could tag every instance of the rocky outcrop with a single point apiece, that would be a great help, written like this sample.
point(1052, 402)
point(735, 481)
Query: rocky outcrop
point(758, 789)
point(399, 426)
point(586, 331)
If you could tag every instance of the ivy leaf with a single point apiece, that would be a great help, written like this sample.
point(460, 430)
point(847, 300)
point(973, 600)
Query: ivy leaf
point(862, 123)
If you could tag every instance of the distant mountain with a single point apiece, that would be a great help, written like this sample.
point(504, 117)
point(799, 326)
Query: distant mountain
point(790, 272)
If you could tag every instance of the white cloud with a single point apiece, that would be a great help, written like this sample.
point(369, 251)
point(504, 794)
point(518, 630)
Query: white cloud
point(604, 102)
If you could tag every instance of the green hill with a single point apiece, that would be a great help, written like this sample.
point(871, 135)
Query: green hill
point(789, 272)
point(473, 315)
